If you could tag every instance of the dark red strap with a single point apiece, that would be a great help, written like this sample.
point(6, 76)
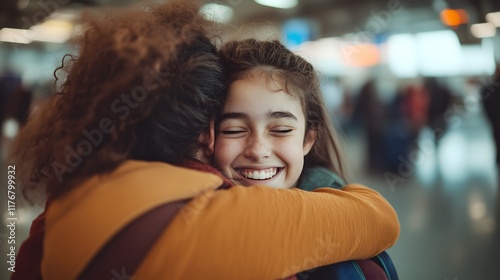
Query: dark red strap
point(121, 256)
point(372, 270)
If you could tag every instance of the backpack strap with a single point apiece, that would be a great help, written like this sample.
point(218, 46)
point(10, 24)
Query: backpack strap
point(126, 250)
point(378, 267)
point(384, 260)
point(370, 270)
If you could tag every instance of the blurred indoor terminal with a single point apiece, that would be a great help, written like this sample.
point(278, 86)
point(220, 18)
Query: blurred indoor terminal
point(406, 82)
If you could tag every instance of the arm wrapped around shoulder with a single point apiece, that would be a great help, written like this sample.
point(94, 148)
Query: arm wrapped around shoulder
point(381, 230)
point(266, 233)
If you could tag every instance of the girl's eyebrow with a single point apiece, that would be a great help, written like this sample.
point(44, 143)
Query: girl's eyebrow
point(281, 114)
point(271, 115)
point(227, 116)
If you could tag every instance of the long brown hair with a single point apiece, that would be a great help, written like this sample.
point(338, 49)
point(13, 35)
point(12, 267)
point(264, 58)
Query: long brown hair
point(145, 84)
point(300, 79)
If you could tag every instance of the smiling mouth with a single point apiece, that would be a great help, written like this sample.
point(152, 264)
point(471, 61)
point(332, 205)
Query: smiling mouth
point(262, 174)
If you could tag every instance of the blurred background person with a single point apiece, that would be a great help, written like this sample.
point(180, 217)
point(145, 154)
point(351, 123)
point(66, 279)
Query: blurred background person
point(370, 112)
point(439, 100)
point(490, 96)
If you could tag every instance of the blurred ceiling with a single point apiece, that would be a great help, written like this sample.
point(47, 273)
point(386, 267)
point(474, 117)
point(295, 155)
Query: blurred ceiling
point(333, 16)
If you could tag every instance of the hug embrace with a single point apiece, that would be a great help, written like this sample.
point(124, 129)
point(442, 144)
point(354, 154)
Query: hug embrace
point(224, 164)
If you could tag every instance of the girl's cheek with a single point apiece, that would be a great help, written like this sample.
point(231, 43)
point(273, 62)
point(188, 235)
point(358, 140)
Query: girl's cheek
point(225, 150)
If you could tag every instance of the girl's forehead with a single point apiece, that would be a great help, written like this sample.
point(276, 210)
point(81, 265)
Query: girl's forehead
point(274, 79)
point(255, 97)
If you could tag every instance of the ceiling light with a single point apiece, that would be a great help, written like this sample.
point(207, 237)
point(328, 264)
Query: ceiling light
point(10, 128)
point(217, 12)
point(53, 31)
point(14, 35)
point(483, 30)
point(493, 18)
point(281, 4)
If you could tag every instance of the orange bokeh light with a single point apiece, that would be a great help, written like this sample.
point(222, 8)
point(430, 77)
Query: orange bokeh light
point(362, 55)
point(454, 17)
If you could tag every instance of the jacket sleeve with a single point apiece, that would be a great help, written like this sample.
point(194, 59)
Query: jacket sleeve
point(266, 233)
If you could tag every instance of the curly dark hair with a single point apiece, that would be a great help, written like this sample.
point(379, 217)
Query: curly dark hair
point(300, 79)
point(146, 82)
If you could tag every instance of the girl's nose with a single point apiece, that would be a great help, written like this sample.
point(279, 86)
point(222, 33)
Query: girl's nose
point(257, 149)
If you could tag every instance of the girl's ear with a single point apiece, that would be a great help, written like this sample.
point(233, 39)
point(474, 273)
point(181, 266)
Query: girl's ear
point(309, 140)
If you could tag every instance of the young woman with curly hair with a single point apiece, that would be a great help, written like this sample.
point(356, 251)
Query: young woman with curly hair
point(136, 105)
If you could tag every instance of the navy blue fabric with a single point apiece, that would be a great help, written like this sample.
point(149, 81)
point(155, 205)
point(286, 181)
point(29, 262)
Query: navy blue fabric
point(350, 270)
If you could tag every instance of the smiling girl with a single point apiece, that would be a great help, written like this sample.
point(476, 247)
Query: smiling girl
point(274, 121)
point(274, 129)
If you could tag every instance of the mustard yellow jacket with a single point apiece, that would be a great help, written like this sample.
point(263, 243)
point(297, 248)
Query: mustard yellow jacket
point(237, 233)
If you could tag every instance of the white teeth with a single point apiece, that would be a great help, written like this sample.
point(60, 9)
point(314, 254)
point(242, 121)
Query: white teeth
point(263, 174)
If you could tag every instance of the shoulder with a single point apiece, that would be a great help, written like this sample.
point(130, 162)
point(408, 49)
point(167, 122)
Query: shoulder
point(82, 221)
point(159, 173)
point(319, 177)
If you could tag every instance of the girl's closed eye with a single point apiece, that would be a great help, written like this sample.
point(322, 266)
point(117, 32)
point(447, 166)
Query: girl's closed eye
point(282, 130)
point(233, 132)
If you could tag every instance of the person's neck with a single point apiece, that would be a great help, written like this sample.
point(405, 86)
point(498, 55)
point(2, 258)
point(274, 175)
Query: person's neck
point(198, 165)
